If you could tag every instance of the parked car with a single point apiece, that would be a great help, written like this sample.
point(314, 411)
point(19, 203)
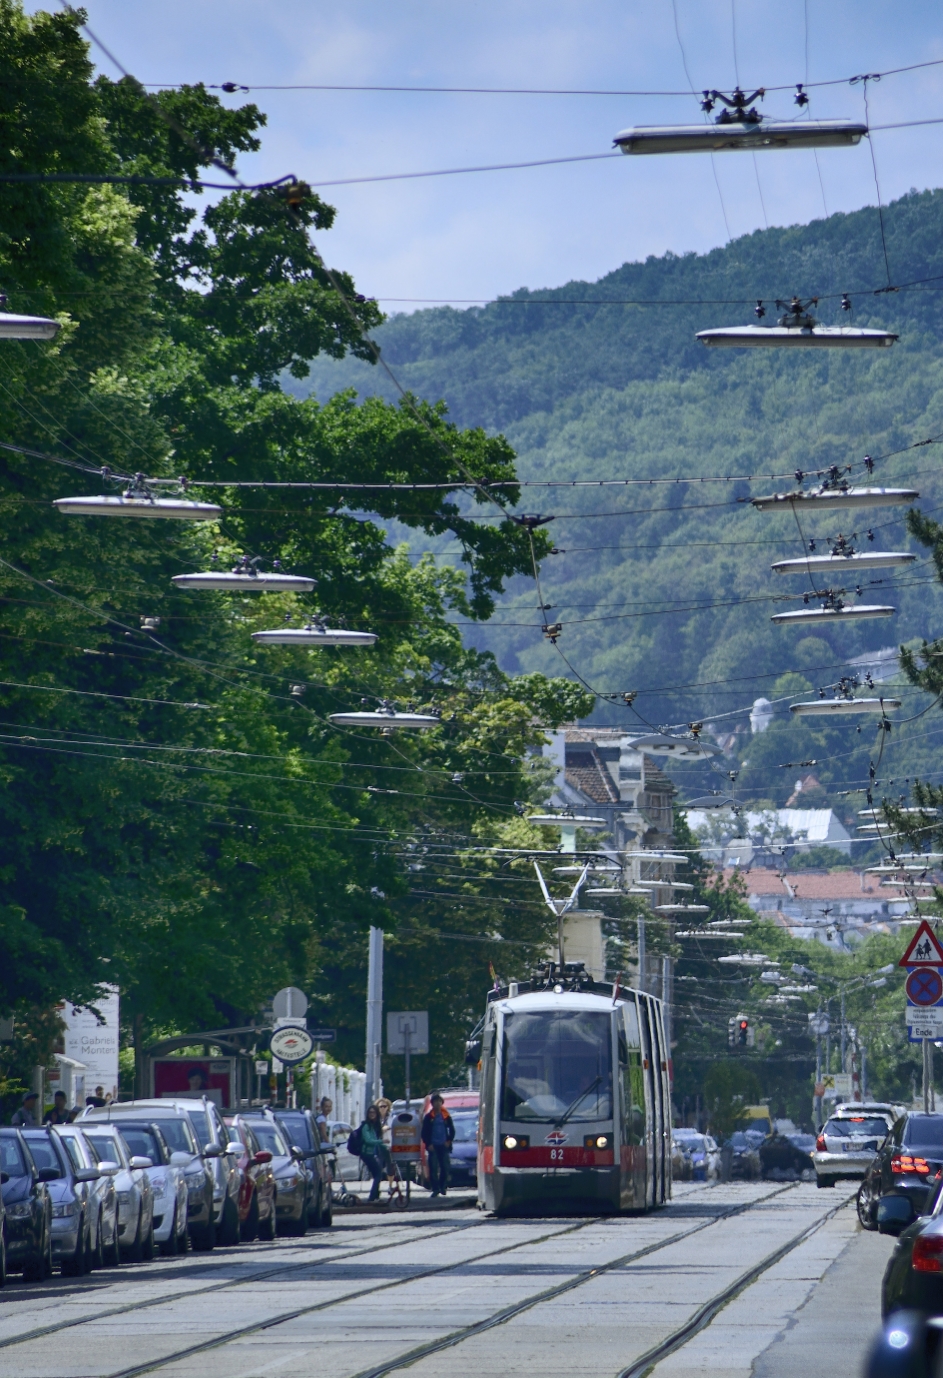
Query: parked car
point(900, 1176)
point(701, 1151)
point(292, 1181)
point(257, 1182)
point(27, 1209)
point(72, 1194)
point(913, 1278)
point(104, 1206)
point(847, 1143)
point(133, 1187)
point(144, 1140)
point(185, 1152)
point(681, 1169)
point(347, 1167)
point(209, 1129)
point(299, 1129)
point(463, 1162)
point(744, 1154)
point(787, 1157)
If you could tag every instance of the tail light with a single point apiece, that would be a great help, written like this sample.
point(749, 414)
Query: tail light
point(928, 1254)
point(905, 1163)
point(820, 1144)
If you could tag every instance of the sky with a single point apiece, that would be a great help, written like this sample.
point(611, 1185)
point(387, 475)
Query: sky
point(472, 237)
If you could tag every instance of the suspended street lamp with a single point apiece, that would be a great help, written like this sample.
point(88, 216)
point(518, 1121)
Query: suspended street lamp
point(386, 717)
point(833, 608)
point(138, 500)
point(682, 909)
point(314, 633)
point(26, 327)
point(246, 576)
point(838, 497)
point(684, 748)
point(827, 706)
point(858, 559)
point(740, 126)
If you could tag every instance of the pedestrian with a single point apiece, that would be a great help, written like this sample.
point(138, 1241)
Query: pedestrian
point(373, 1152)
point(438, 1131)
point(98, 1099)
point(323, 1119)
point(58, 1114)
point(25, 1116)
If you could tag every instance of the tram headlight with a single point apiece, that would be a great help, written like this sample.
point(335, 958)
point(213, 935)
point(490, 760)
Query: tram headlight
point(598, 1141)
point(515, 1141)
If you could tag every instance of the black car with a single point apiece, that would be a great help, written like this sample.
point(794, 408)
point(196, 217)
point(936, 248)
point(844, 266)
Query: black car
point(787, 1157)
point(741, 1150)
point(463, 1160)
point(902, 1169)
point(300, 1130)
point(913, 1279)
point(27, 1207)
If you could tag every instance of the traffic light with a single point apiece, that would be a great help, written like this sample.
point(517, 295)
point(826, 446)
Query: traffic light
point(740, 1033)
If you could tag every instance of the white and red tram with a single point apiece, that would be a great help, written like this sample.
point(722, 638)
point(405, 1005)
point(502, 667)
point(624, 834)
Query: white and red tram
point(575, 1099)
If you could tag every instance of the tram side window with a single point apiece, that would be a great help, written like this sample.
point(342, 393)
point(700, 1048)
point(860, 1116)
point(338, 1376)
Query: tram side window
point(488, 1065)
point(557, 1066)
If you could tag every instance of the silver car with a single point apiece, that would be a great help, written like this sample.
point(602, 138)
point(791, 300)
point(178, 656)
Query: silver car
point(185, 1153)
point(135, 1197)
point(72, 1193)
point(103, 1202)
point(846, 1144)
point(144, 1140)
point(207, 1124)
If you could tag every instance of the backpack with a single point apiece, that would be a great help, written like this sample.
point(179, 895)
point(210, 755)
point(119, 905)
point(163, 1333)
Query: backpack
point(355, 1142)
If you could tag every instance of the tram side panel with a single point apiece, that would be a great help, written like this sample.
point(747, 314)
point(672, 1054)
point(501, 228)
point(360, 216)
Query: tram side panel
point(633, 1156)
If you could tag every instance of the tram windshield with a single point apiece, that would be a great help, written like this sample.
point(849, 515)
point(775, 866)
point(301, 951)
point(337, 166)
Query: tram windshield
point(557, 1066)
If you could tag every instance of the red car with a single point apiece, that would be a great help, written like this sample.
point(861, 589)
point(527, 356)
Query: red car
point(257, 1184)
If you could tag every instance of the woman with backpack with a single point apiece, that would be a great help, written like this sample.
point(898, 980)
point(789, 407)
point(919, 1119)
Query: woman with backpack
point(367, 1143)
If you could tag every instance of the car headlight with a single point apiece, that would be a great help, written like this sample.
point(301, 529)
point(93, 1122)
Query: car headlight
point(158, 1185)
point(64, 1210)
point(19, 1210)
point(289, 1179)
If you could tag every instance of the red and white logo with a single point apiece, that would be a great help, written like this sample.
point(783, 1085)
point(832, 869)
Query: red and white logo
point(556, 1137)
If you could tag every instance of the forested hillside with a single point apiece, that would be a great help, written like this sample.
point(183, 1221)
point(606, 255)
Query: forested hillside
point(667, 589)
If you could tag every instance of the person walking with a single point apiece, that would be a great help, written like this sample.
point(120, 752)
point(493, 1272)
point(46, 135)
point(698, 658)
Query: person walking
point(438, 1131)
point(25, 1116)
point(374, 1153)
point(59, 1114)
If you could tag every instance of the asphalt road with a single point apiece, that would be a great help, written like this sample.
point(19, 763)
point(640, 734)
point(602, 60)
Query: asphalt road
point(741, 1279)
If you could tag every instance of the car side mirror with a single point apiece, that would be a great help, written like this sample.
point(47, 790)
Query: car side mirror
point(178, 1159)
point(49, 1174)
point(473, 1052)
point(139, 1160)
point(263, 1156)
point(212, 1151)
point(87, 1174)
point(107, 1168)
point(894, 1214)
point(298, 1152)
point(234, 1146)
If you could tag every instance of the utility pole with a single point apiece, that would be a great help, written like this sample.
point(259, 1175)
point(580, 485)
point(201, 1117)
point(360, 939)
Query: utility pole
point(842, 1029)
point(926, 1075)
point(374, 1013)
point(864, 1066)
point(641, 953)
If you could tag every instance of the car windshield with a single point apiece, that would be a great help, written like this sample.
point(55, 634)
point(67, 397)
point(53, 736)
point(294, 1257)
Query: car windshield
point(269, 1139)
point(466, 1126)
point(12, 1161)
point(105, 1147)
point(692, 1143)
point(556, 1063)
point(924, 1132)
point(857, 1126)
point(44, 1154)
point(200, 1121)
point(141, 1141)
point(178, 1134)
point(297, 1129)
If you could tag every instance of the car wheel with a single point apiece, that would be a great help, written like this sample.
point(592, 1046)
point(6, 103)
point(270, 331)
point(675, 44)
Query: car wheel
point(249, 1228)
point(203, 1237)
point(98, 1253)
point(3, 1258)
point(327, 1210)
point(34, 1270)
point(74, 1266)
point(229, 1234)
point(113, 1254)
point(267, 1226)
point(136, 1251)
point(824, 1181)
point(866, 1209)
point(171, 1245)
point(149, 1248)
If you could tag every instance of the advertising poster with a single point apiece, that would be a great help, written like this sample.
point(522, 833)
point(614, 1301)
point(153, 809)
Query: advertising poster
point(95, 1044)
point(195, 1076)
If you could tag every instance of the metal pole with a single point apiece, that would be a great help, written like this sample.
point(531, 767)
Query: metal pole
point(818, 1079)
point(374, 1013)
point(843, 1040)
point(560, 953)
point(406, 1045)
point(926, 1075)
point(641, 953)
point(864, 1079)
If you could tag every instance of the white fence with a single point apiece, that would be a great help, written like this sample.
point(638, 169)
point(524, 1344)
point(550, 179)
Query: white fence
point(346, 1087)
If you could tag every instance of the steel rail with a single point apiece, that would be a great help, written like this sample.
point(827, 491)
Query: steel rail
point(456, 1337)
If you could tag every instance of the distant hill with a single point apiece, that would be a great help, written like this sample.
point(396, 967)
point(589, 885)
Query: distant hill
point(587, 388)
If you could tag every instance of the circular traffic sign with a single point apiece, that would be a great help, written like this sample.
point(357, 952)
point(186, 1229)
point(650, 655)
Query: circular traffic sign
point(924, 986)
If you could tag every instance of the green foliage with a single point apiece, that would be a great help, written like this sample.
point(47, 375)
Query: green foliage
point(728, 1087)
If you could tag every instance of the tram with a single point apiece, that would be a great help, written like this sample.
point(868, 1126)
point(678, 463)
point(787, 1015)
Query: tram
point(575, 1099)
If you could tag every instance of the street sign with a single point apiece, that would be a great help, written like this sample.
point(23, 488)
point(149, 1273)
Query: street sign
point(923, 949)
point(407, 1031)
point(924, 986)
point(838, 1086)
point(323, 1035)
point(261, 1069)
point(926, 1023)
point(291, 1045)
point(292, 1003)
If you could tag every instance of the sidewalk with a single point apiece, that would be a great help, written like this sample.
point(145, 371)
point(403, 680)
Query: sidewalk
point(420, 1200)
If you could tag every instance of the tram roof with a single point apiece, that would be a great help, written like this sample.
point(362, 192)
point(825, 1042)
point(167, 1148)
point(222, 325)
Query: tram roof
point(530, 1001)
